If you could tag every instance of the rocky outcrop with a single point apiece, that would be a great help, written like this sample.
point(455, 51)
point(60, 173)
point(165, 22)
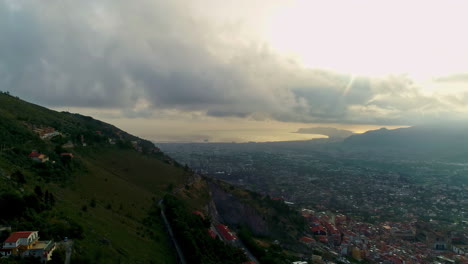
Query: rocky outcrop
point(232, 211)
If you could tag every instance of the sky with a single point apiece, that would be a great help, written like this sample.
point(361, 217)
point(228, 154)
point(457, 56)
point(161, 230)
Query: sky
point(240, 70)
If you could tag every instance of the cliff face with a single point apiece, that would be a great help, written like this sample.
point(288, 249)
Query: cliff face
point(232, 211)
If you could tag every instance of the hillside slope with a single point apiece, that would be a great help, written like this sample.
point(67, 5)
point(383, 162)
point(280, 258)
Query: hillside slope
point(104, 196)
point(68, 175)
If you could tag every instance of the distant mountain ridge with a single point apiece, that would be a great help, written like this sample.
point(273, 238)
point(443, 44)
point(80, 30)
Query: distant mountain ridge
point(444, 141)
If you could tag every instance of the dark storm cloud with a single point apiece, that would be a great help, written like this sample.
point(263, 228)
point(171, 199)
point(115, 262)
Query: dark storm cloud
point(140, 56)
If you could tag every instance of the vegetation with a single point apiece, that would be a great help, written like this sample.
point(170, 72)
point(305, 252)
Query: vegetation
point(191, 232)
point(272, 255)
point(104, 196)
point(101, 198)
point(282, 221)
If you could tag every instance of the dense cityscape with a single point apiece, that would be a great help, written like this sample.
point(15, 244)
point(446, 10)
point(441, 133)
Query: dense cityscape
point(402, 211)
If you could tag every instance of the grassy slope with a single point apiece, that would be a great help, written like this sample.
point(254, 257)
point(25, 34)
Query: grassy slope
point(129, 182)
point(124, 184)
point(196, 195)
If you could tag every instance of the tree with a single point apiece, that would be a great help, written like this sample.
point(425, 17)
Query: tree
point(38, 191)
point(51, 199)
point(46, 197)
point(58, 257)
point(19, 177)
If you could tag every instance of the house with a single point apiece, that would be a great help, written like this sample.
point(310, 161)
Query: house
point(318, 230)
point(323, 239)
point(26, 243)
point(69, 144)
point(50, 135)
point(66, 155)
point(211, 233)
point(199, 214)
point(307, 240)
point(42, 250)
point(357, 254)
point(46, 132)
point(39, 157)
point(19, 242)
point(226, 233)
point(460, 249)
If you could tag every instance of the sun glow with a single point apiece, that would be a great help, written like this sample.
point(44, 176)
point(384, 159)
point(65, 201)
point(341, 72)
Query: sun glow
point(420, 38)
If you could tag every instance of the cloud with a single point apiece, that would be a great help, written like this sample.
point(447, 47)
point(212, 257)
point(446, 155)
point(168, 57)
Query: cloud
point(459, 77)
point(144, 57)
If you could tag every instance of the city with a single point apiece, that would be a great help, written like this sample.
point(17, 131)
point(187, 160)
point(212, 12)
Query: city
point(388, 209)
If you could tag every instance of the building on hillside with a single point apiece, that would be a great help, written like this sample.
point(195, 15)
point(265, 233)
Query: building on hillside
point(356, 253)
point(226, 233)
point(38, 157)
point(460, 249)
point(69, 144)
point(318, 230)
point(46, 132)
point(42, 250)
point(50, 135)
point(19, 242)
point(26, 243)
point(211, 233)
point(199, 214)
point(66, 155)
point(308, 241)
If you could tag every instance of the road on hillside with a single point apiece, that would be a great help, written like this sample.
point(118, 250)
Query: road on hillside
point(238, 243)
point(68, 251)
point(180, 254)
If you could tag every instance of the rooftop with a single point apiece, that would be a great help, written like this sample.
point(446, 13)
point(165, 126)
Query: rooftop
point(17, 235)
point(46, 244)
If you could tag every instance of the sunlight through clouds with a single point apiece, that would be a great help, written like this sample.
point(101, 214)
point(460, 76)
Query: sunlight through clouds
point(358, 62)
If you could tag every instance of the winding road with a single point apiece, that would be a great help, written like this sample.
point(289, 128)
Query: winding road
point(180, 254)
point(68, 251)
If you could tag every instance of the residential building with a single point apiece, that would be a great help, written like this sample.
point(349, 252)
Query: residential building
point(39, 157)
point(19, 242)
point(26, 243)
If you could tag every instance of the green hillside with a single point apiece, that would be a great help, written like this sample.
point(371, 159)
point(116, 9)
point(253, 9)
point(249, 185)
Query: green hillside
point(103, 198)
point(68, 175)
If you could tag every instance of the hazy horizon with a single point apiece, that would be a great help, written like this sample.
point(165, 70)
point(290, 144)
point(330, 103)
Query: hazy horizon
point(239, 70)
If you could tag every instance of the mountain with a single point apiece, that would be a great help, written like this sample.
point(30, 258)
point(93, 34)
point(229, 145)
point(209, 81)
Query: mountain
point(445, 141)
point(71, 176)
point(94, 184)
